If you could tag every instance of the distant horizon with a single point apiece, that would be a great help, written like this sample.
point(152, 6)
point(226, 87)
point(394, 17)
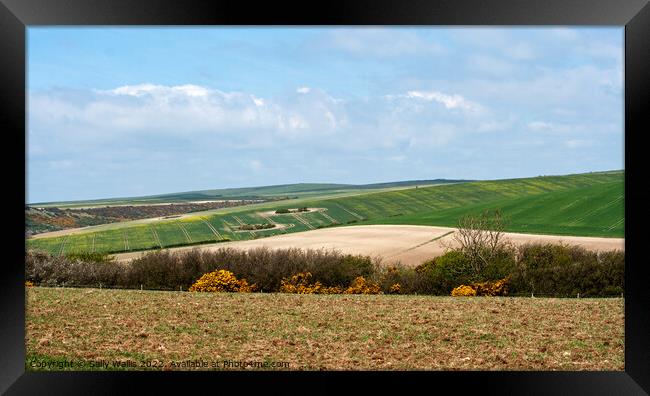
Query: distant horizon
point(141, 111)
point(317, 183)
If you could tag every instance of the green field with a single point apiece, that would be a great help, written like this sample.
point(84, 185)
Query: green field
point(585, 204)
point(298, 190)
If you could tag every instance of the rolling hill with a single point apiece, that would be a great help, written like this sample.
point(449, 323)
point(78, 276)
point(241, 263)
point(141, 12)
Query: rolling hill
point(583, 204)
point(262, 192)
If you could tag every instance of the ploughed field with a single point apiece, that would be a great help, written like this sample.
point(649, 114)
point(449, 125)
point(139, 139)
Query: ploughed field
point(585, 205)
point(409, 244)
point(151, 329)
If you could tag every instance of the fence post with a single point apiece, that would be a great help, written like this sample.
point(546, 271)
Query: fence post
point(140, 286)
point(100, 286)
point(578, 295)
point(532, 295)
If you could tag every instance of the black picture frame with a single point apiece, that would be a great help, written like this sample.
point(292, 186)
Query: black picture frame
point(17, 15)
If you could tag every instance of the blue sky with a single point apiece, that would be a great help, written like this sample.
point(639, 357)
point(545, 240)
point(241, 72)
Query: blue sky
point(116, 112)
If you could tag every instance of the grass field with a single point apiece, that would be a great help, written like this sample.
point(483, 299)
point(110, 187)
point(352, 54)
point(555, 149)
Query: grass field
point(311, 332)
point(582, 205)
point(262, 192)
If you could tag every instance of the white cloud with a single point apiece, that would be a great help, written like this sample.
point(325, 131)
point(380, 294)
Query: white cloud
point(303, 90)
point(449, 101)
point(160, 90)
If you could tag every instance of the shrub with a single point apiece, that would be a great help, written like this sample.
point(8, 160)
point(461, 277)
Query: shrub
point(299, 284)
point(395, 289)
point(262, 226)
point(448, 271)
point(481, 240)
point(281, 211)
point(563, 270)
point(491, 288)
point(362, 286)
point(342, 271)
point(29, 284)
point(221, 281)
point(463, 291)
point(410, 281)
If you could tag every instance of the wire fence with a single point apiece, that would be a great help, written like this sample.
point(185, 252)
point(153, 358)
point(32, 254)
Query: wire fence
point(185, 289)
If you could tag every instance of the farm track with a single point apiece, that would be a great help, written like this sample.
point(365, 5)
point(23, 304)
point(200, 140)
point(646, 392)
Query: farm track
point(241, 223)
point(427, 242)
point(187, 235)
point(211, 227)
point(303, 221)
point(616, 224)
point(155, 236)
point(63, 243)
point(358, 216)
point(330, 218)
point(126, 241)
point(229, 228)
point(587, 214)
point(270, 220)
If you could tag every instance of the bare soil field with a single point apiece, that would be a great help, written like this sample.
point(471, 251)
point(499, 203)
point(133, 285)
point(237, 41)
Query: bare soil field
point(411, 245)
point(315, 332)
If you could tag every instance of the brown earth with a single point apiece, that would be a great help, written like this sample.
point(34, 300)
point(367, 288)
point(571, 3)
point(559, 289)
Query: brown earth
point(409, 244)
point(323, 332)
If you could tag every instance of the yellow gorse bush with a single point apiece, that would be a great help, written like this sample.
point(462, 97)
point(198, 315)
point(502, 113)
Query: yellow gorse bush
point(491, 288)
point(299, 284)
point(362, 286)
point(29, 284)
point(395, 289)
point(488, 288)
point(221, 281)
point(464, 291)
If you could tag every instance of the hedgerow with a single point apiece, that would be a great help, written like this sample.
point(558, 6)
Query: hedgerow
point(542, 269)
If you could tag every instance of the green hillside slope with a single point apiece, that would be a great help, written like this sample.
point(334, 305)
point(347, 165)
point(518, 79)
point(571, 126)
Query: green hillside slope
point(262, 192)
point(585, 204)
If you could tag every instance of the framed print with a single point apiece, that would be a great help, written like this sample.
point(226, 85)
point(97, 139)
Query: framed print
point(383, 193)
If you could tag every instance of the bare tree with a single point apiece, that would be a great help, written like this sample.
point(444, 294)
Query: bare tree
point(480, 238)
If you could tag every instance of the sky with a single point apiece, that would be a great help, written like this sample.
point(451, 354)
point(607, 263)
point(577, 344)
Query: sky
point(123, 112)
